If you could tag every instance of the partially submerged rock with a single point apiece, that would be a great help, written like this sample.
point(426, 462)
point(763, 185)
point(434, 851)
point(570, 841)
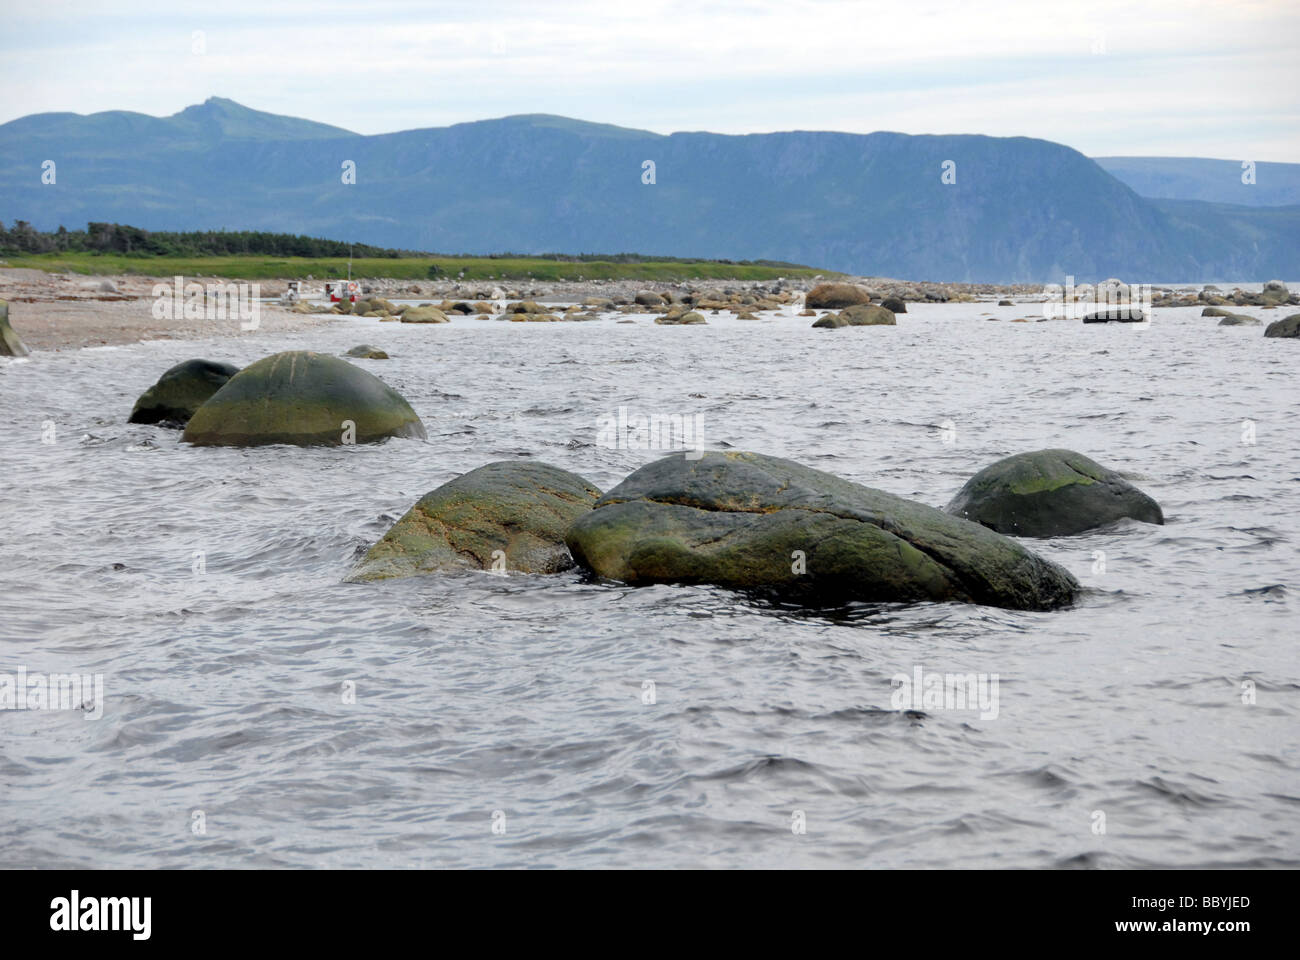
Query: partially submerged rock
point(180, 391)
point(830, 321)
point(1117, 313)
point(836, 296)
point(754, 522)
point(1238, 320)
point(302, 398)
point(1050, 493)
point(868, 315)
point(1286, 327)
point(11, 345)
point(512, 513)
point(365, 351)
point(1275, 291)
point(688, 317)
point(424, 314)
point(894, 305)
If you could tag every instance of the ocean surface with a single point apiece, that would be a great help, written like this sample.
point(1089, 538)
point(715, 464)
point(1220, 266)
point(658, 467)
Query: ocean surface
point(259, 712)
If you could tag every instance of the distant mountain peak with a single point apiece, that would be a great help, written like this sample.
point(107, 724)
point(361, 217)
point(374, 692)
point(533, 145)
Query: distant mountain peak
point(221, 116)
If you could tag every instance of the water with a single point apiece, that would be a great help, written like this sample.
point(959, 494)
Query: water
point(478, 694)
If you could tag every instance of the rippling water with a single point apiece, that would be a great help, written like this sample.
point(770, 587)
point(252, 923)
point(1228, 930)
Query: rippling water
point(522, 697)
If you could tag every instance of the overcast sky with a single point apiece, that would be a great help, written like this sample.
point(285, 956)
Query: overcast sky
point(1189, 78)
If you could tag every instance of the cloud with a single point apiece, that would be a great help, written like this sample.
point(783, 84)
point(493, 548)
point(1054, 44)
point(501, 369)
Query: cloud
point(1107, 76)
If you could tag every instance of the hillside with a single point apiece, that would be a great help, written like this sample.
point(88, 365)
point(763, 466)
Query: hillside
point(1020, 209)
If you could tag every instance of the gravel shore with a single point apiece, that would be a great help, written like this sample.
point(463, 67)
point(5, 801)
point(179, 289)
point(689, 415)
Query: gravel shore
point(52, 311)
point(62, 312)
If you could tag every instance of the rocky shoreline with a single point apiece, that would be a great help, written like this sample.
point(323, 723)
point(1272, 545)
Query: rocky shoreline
point(52, 311)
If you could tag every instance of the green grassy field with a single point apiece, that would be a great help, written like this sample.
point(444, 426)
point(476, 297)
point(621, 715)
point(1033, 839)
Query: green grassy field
point(253, 267)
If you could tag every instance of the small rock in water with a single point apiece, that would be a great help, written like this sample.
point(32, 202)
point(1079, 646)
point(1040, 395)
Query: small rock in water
point(1050, 493)
point(366, 352)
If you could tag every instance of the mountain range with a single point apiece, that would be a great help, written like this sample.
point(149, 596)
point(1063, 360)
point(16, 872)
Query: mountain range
point(950, 207)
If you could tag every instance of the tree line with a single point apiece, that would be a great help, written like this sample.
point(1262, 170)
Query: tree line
point(121, 238)
point(134, 241)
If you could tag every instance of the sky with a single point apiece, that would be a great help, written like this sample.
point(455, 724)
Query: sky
point(1145, 77)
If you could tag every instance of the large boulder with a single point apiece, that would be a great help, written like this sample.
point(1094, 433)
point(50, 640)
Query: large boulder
point(424, 314)
point(1286, 327)
point(868, 315)
point(11, 345)
point(648, 298)
point(180, 391)
point(520, 508)
point(894, 305)
point(830, 321)
point(754, 522)
point(1050, 493)
point(1275, 292)
point(302, 398)
point(836, 296)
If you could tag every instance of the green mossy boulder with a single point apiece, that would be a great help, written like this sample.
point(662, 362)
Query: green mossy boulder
point(518, 507)
point(365, 351)
point(11, 345)
point(772, 526)
point(302, 398)
point(376, 305)
point(836, 296)
point(1050, 493)
point(830, 321)
point(868, 315)
point(1286, 327)
point(180, 391)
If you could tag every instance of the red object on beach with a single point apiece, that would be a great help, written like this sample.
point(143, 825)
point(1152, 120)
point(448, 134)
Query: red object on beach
point(333, 288)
